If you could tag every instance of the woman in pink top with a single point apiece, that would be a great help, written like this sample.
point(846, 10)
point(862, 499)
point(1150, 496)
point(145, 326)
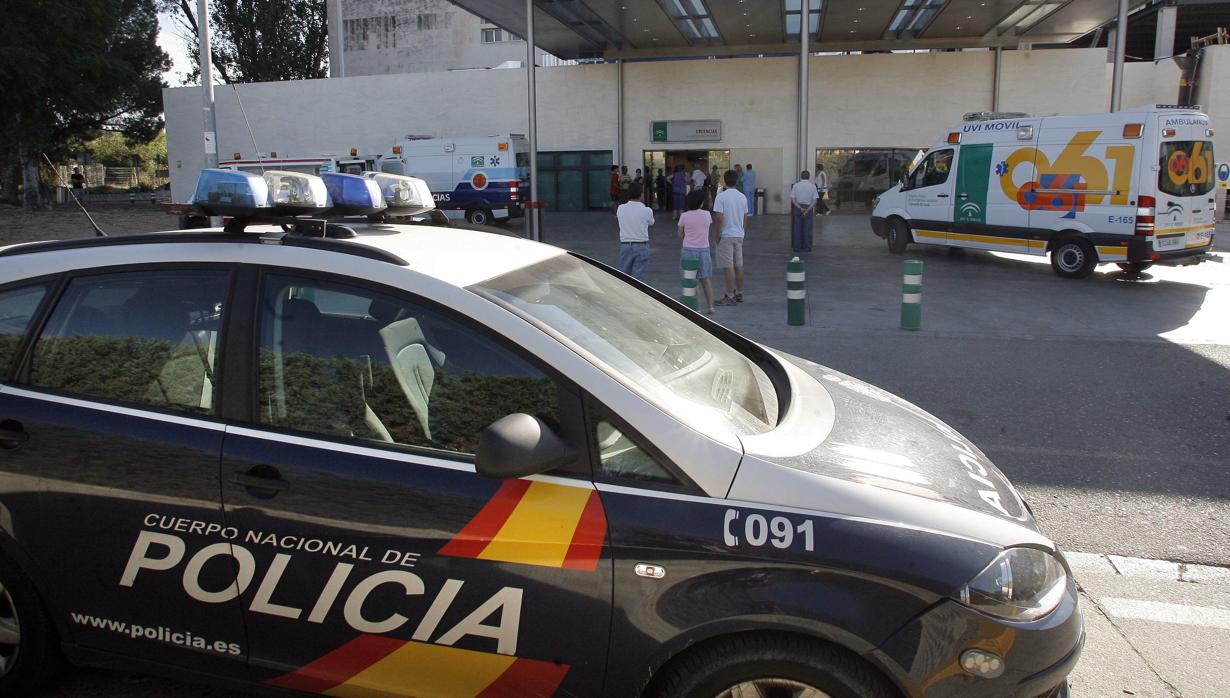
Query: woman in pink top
point(694, 231)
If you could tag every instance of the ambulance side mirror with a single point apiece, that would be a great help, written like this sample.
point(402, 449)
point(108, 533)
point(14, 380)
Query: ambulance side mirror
point(519, 445)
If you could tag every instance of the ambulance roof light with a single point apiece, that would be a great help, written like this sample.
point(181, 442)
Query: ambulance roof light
point(354, 152)
point(1133, 130)
point(1168, 133)
point(237, 155)
point(994, 115)
point(954, 137)
point(397, 150)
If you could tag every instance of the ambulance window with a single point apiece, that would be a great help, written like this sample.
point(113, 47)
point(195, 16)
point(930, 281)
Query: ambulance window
point(1186, 168)
point(523, 159)
point(392, 167)
point(937, 167)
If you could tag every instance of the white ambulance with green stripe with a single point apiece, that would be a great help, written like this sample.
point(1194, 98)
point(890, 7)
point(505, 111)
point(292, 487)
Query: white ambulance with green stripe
point(1133, 187)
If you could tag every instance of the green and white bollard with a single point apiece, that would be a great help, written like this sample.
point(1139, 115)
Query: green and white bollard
point(690, 269)
point(796, 292)
point(911, 295)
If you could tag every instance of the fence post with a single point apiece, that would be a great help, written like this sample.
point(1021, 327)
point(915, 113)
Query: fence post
point(796, 292)
point(690, 268)
point(911, 295)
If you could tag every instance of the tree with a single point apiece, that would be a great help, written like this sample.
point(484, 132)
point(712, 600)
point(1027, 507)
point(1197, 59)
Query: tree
point(70, 69)
point(258, 40)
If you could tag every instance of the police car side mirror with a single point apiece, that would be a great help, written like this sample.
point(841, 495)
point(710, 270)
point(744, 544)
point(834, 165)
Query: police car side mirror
point(519, 445)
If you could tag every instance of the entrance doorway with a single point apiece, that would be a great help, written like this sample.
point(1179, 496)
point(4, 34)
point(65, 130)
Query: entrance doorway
point(666, 160)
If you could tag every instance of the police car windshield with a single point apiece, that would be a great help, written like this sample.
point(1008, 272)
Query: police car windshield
point(670, 359)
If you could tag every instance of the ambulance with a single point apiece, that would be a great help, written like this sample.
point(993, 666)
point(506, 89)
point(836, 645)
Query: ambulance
point(479, 177)
point(1133, 187)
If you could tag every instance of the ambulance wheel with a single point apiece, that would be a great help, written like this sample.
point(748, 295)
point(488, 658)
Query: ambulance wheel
point(1073, 258)
point(28, 658)
point(898, 236)
point(479, 216)
point(773, 665)
point(1134, 267)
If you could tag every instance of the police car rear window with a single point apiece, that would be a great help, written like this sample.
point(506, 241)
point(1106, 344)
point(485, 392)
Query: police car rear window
point(675, 362)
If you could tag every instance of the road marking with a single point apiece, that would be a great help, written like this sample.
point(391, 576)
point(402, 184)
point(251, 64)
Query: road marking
point(1203, 616)
point(1098, 563)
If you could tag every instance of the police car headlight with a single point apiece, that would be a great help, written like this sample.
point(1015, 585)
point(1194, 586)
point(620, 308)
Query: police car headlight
point(1022, 584)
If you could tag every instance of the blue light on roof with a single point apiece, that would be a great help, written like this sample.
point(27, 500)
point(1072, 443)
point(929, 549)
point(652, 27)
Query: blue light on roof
point(352, 194)
point(230, 193)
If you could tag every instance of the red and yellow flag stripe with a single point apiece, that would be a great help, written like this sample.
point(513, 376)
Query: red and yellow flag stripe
point(372, 666)
point(536, 523)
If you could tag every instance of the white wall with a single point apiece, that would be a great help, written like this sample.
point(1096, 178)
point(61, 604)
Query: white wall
point(871, 100)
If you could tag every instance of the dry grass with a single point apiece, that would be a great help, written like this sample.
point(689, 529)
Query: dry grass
point(64, 222)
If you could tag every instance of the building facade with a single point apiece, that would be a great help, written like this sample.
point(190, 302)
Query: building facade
point(384, 37)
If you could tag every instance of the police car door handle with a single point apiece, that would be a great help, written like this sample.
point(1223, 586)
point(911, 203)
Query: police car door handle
point(12, 434)
point(261, 477)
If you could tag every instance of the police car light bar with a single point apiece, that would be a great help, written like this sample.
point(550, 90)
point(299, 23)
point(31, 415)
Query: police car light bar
point(405, 196)
point(352, 195)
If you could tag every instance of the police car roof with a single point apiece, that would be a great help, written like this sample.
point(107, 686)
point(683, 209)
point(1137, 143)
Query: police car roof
point(454, 255)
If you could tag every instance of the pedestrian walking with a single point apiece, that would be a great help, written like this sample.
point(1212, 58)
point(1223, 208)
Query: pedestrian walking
point(730, 218)
point(749, 189)
point(822, 189)
point(693, 230)
point(614, 188)
point(803, 197)
point(679, 190)
point(635, 220)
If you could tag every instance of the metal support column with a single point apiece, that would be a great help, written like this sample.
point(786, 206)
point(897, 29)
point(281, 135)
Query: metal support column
point(619, 112)
point(1116, 81)
point(804, 35)
point(999, 72)
point(210, 138)
point(535, 231)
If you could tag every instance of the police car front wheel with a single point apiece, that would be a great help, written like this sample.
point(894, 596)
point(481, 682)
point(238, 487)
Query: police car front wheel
point(771, 665)
point(27, 648)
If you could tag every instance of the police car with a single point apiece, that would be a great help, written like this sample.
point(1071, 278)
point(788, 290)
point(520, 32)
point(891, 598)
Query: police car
point(308, 454)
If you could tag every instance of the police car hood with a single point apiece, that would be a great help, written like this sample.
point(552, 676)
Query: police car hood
point(878, 456)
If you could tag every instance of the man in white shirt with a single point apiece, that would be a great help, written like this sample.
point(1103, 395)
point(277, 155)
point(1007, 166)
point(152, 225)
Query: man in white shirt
point(822, 189)
point(635, 219)
point(803, 197)
point(730, 218)
point(698, 177)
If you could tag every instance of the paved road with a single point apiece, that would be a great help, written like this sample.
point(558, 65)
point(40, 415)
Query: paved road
point(1107, 401)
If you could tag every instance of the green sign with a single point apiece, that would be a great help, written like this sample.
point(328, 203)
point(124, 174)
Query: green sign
point(694, 131)
point(659, 131)
point(973, 175)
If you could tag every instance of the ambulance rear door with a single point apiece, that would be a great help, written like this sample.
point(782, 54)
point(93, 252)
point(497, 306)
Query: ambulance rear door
point(1185, 178)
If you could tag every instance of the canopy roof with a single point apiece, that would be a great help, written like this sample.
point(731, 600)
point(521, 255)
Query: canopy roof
point(578, 29)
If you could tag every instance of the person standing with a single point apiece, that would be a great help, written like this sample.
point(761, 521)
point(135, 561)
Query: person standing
point(803, 197)
point(730, 218)
point(614, 188)
point(694, 232)
point(679, 190)
point(713, 181)
point(659, 186)
point(625, 180)
point(739, 178)
point(635, 220)
point(698, 177)
point(749, 189)
point(822, 190)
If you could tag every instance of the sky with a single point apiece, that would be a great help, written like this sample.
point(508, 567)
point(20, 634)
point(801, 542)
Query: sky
point(170, 42)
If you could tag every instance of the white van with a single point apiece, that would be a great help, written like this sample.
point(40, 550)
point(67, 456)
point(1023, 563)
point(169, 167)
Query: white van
point(1133, 187)
point(482, 177)
point(355, 163)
